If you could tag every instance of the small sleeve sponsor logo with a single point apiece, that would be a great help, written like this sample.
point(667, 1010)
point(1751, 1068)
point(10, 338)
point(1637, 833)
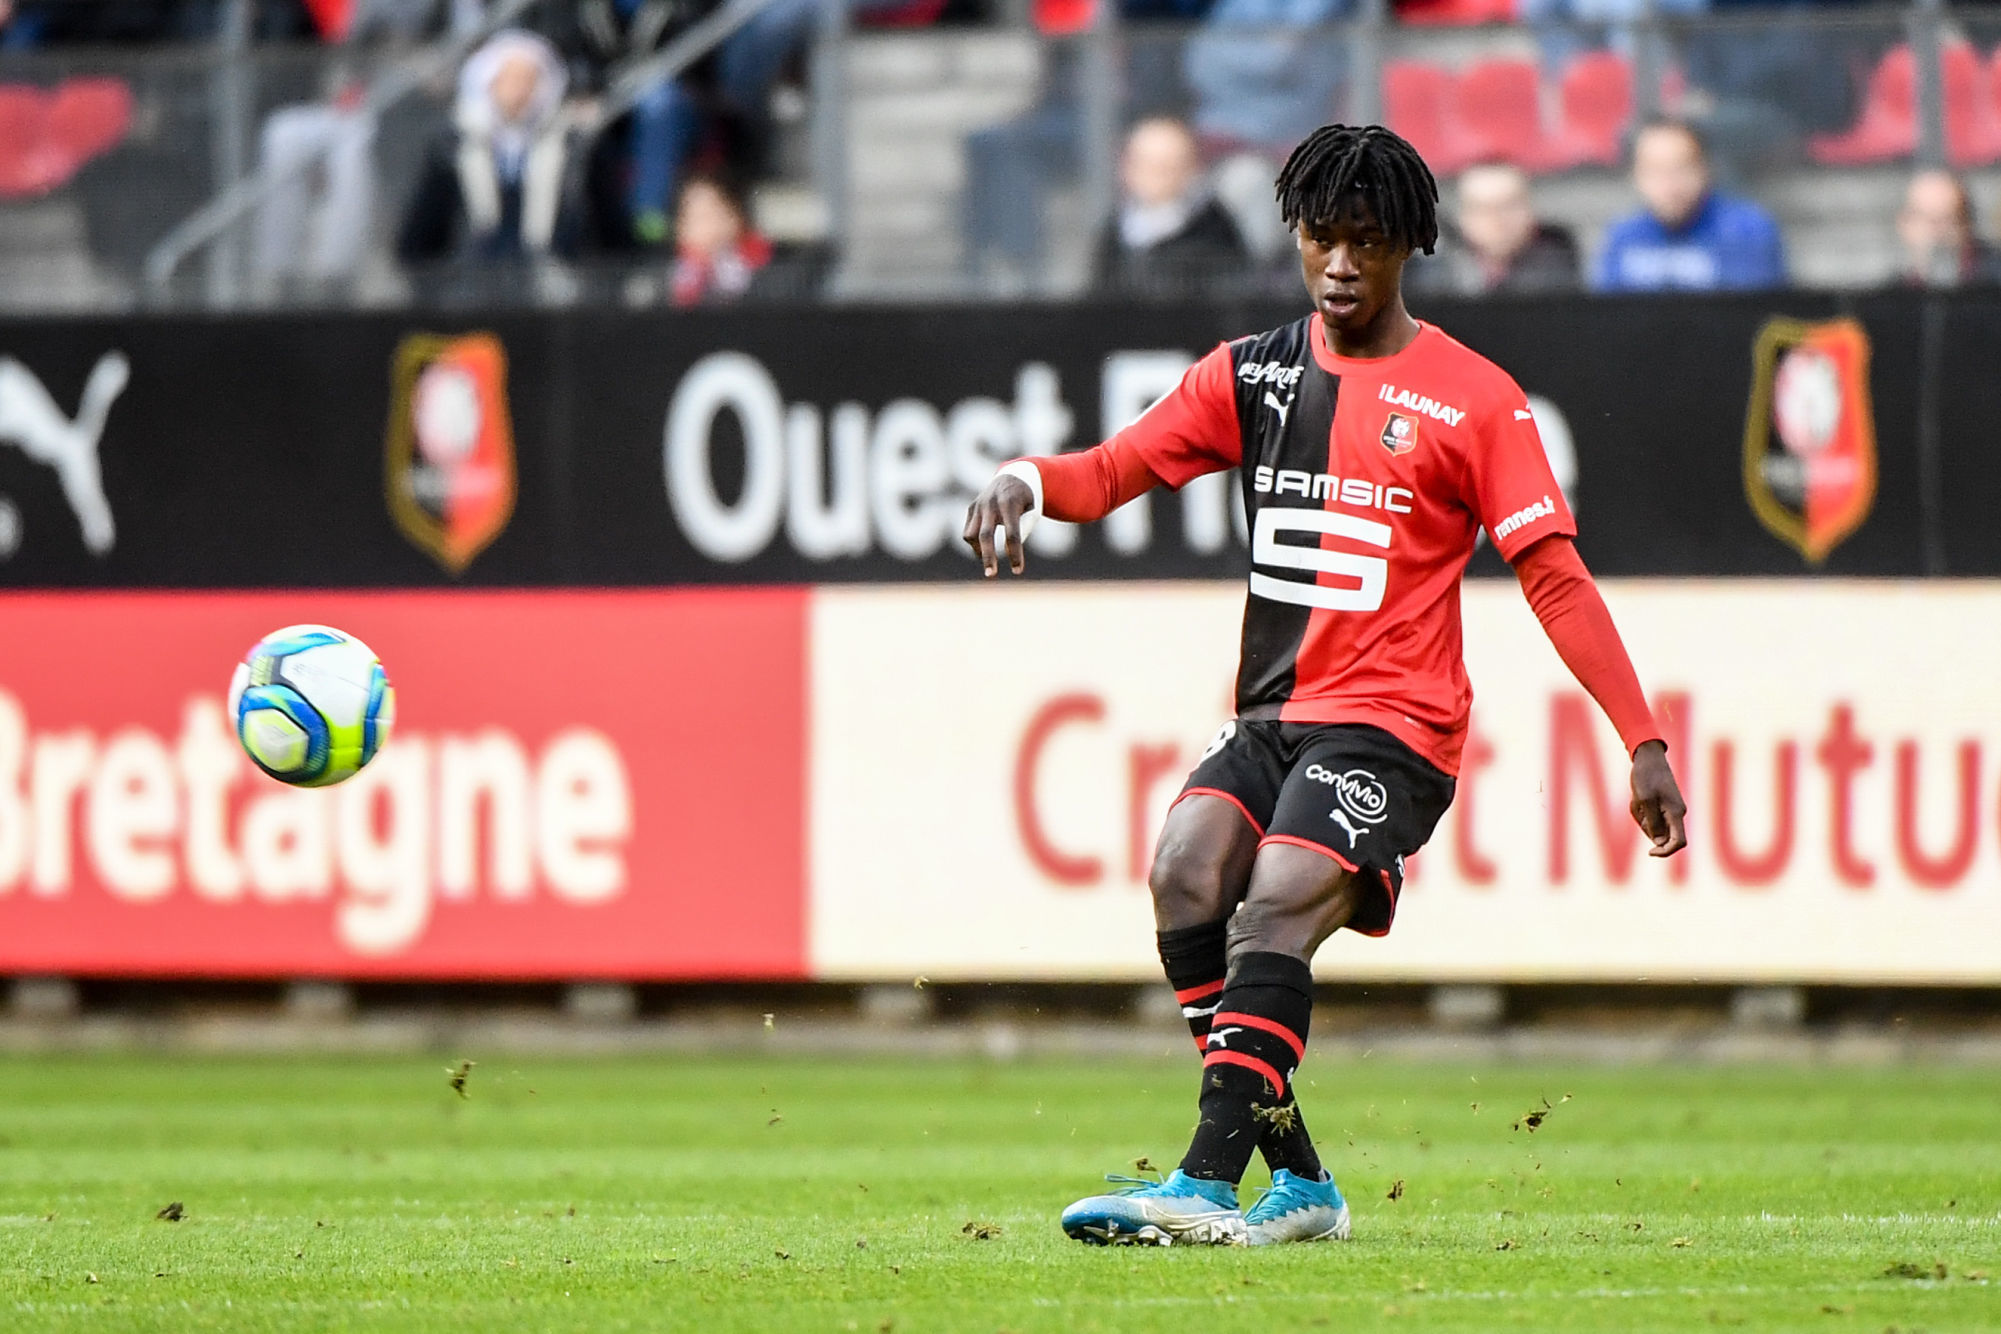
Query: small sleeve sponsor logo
point(1522, 518)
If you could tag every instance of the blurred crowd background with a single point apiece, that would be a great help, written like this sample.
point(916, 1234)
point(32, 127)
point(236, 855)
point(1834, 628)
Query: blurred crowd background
point(256, 153)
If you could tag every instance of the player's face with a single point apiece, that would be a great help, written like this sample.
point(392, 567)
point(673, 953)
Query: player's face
point(1351, 269)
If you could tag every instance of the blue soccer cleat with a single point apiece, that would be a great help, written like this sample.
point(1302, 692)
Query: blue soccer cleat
point(1182, 1210)
point(1295, 1209)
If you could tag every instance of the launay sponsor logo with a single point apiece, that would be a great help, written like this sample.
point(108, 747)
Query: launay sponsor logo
point(1418, 403)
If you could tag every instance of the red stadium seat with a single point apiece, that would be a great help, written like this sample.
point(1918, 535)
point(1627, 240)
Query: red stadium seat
point(924, 13)
point(1497, 107)
point(1417, 104)
point(26, 165)
point(1597, 99)
point(1994, 84)
point(45, 137)
point(1972, 123)
point(89, 116)
point(1443, 12)
point(1887, 127)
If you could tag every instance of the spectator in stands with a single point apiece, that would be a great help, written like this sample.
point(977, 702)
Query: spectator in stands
point(672, 118)
point(317, 159)
point(1935, 226)
point(502, 186)
point(1169, 233)
point(1689, 237)
point(1499, 244)
point(661, 132)
point(717, 253)
point(1012, 167)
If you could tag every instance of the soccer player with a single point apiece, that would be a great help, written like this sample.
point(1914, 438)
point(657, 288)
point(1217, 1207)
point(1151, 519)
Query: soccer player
point(1372, 448)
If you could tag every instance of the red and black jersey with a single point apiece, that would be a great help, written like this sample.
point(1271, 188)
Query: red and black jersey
point(1365, 485)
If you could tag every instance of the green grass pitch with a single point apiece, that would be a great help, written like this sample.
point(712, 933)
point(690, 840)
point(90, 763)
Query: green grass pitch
point(774, 1194)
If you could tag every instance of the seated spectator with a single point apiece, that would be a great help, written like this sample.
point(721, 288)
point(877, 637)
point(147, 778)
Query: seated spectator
point(1500, 245)
point(1169, 232)
point(318, 161)
point(655, 140)
point(502, 185)
point(1689, 237)
point(1013, 166)
point(1935, 226)
point(717, 253)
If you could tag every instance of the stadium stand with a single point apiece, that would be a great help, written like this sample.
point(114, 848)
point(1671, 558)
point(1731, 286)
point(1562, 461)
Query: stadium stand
point(873, 143)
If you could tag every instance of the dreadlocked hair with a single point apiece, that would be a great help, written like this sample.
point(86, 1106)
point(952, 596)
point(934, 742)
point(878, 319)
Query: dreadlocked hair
point(1338, 163)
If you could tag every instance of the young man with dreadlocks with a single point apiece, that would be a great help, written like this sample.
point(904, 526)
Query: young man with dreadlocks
point(1372, 448)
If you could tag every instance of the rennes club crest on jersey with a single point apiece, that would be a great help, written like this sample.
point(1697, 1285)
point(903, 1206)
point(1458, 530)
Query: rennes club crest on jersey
point(1810, 436)
point(1400, 434)
point(451, 477)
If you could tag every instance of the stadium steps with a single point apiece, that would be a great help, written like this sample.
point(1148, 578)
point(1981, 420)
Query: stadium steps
point(914, 97)
point(45, 263)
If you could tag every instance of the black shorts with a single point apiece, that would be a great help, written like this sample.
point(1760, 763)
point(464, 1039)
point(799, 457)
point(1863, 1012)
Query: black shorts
point(1351, 791)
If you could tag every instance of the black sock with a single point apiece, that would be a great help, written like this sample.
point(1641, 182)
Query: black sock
point(1196, 960)
point(1255, 1045)
point(1283, 1140)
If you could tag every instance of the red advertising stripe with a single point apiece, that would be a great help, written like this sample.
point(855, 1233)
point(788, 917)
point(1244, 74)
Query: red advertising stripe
point(581, 784)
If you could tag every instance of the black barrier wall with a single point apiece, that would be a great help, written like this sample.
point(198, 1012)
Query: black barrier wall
point(612, 448)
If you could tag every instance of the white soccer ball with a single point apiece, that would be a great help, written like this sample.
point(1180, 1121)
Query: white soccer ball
point(311, 705)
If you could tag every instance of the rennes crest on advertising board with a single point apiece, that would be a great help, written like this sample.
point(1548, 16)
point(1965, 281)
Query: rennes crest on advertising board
point(1810, 435)
point(450, 467)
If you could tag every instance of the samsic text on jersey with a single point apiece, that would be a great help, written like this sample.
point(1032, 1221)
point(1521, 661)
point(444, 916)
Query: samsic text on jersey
point(1366, 483)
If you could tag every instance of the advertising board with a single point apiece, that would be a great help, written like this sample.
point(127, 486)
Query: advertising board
point(580, 785)
point(1721, 436)
point(1835, 740)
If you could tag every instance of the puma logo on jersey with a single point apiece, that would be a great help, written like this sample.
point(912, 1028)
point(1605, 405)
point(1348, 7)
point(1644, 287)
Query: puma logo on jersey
point(1220, 1037)
point(1430, 407)
point(1272, 402)
point(1340, 817)
point(1522, 518)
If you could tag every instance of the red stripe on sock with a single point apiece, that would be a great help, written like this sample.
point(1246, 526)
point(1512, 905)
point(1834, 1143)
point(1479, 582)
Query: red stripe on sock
point(1263, 1025)
point(1202, 992)
point(1223, 1056)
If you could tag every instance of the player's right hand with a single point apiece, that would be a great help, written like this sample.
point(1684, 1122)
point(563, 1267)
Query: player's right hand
point(999, 505)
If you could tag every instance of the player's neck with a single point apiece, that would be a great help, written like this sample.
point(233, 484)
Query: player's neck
point(1389, 333)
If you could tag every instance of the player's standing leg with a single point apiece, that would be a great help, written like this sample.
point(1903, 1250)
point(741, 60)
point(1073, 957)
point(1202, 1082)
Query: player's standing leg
point(1201, 871)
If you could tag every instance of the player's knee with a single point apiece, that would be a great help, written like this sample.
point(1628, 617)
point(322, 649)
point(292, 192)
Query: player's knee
point(1189, 884)
point(1269, 925)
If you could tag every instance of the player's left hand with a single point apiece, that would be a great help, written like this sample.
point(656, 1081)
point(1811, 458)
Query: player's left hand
point(1657, 805)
